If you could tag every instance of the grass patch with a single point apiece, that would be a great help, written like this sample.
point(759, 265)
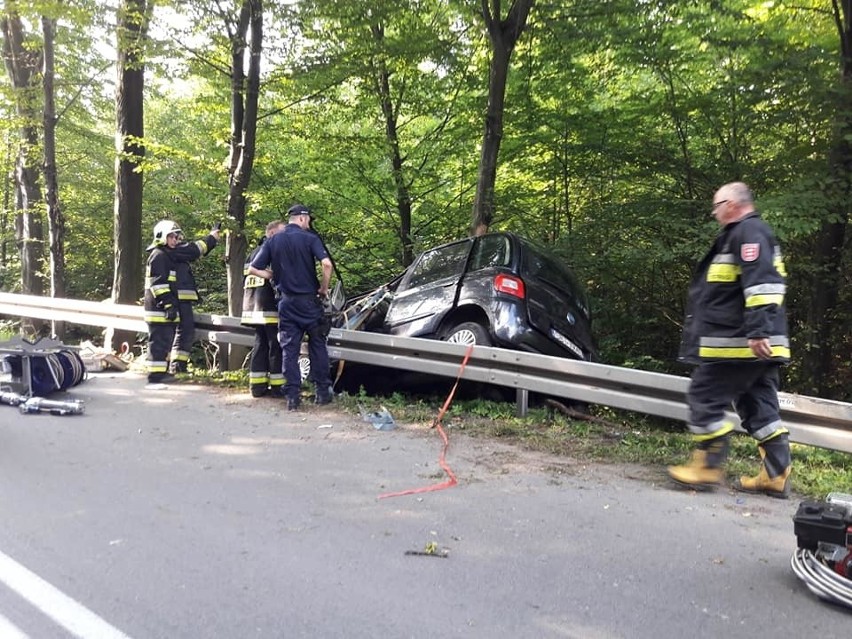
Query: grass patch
point(221, 379)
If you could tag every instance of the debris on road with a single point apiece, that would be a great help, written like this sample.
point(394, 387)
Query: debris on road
point(381, 420)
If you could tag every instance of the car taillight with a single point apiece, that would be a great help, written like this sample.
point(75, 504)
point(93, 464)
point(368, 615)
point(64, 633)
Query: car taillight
point(509, 285)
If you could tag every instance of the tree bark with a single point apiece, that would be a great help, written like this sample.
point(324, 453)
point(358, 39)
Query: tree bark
point(127, 285)
point(55, 217)
point(22, 64)
point(821, 358)
point(8, 188)
point(381, 83)
point(503, 35)
point(245, 92)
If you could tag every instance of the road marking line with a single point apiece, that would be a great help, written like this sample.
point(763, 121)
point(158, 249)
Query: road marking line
point(69, 614)
point(8, 630)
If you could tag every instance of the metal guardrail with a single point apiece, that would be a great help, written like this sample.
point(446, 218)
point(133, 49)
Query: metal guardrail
point(811, 420)
point(216, 328)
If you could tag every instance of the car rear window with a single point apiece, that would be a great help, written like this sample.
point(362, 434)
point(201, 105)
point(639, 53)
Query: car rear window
point(549, 269)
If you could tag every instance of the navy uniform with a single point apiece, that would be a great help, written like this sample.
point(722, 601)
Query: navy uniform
point(160, 301)
point(187, 291)
point(260, 310)
point(737, 295)
point(292, 256)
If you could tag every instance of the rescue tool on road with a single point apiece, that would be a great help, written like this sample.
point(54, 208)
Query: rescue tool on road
point(823, 559)
point(29, 371)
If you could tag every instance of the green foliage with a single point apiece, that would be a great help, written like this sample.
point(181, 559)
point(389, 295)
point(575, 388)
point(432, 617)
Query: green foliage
point(621, 119)
point(223, 379)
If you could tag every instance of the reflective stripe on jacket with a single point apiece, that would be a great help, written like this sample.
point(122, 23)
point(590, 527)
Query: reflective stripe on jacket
point(259, 303)
point(160, 286)
point(737, 293)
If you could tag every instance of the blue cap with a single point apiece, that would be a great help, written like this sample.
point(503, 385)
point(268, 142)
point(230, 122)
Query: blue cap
point(298, 209)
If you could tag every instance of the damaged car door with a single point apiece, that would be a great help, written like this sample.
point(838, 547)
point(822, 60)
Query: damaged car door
point(428, 290)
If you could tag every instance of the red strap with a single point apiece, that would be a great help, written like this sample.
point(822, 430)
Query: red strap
point(442, 459)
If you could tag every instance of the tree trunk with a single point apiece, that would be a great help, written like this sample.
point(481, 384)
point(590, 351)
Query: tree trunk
point(5, 229)
point(381, 80)
point(245, 91)
point(503, 35)
point(22, 64)
point(131, 33)
point(822, 357)
point(55, 217)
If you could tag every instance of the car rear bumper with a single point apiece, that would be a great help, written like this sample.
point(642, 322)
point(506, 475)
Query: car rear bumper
point(511, 329)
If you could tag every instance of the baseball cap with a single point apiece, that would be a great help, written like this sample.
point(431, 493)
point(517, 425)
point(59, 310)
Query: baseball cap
point(298, 209)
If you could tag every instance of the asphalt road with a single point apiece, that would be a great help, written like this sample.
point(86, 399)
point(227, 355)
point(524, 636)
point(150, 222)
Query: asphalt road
point(196, 513)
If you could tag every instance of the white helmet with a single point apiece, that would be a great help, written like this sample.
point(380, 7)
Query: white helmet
point(162, 230)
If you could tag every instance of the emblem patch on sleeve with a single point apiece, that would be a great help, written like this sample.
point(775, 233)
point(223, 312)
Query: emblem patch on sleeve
point(749, 252)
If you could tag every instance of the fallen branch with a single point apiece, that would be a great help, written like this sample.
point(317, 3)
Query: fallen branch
point(575, 414)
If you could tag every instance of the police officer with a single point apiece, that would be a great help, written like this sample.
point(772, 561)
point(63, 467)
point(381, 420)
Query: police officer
point(260, 310)
point(161, 300)
point(187, 290)
point(289, 259)
point(736, 333)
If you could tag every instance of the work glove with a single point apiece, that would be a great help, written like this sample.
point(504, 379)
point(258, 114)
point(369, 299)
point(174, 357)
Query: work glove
point(171, 312)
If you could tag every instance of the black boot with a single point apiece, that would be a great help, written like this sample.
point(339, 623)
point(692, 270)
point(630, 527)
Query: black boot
point(178, 366)
point(324, 395)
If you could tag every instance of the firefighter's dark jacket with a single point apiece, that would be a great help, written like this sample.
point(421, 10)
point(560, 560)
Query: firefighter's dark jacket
point(737, 293)
point(182, 255)
point(160, 286)
point(259, 303)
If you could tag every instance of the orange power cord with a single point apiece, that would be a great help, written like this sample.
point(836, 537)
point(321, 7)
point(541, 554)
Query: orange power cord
point(442, 459)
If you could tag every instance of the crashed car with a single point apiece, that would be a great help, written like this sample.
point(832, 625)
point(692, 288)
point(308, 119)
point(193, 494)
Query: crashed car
point(498, 289)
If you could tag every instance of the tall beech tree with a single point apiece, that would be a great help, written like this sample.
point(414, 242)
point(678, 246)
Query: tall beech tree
point(829, 345)
point(503, 34)
point(55, 217)
point(131, 36)
point(22, 57)
point(246, 37)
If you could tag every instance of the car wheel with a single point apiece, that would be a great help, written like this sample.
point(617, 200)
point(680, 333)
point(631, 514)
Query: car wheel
point(304, 367)
point(468, 333)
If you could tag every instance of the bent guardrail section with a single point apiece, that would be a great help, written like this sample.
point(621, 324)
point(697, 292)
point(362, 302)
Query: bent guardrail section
point(811, 420)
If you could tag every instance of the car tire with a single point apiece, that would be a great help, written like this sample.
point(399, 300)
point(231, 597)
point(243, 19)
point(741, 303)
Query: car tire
point(468, 333)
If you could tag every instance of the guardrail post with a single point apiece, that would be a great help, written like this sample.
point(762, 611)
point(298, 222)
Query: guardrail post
point(522, 402)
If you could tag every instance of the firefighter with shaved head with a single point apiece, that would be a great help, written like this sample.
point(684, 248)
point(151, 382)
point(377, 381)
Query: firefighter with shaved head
point(735, 334)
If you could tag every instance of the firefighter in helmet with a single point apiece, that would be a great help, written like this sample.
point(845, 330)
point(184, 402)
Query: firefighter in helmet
point(161, 299)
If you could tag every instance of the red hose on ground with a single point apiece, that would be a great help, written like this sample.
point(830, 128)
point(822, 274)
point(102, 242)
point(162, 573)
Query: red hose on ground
point(442, 459)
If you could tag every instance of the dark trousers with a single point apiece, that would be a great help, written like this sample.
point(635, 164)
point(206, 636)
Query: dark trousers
point(184, 337)
point(752, 387)
point(160, 337)
point(299, 315)
point(265, 368)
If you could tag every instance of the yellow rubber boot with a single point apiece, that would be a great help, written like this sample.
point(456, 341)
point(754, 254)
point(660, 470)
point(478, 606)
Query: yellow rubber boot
point(696, 474)
point(778, 487)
